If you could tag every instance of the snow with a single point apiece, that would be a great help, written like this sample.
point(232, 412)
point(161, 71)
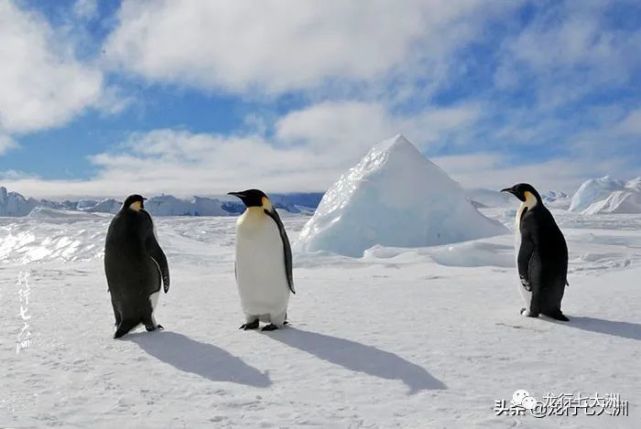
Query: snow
point(489, 198)
point(14, 204)
point(617, 202)
point(403, 337)
point(394, 197)
point(556, 199)
point(606, 195)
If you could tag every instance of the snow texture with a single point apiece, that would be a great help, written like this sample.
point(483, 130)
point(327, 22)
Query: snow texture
point(426, 337)
point(394, 197)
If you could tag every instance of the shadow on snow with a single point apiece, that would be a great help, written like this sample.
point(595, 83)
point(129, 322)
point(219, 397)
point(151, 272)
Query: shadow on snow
point(360, 358)
point(198, 358)
point(603, 326)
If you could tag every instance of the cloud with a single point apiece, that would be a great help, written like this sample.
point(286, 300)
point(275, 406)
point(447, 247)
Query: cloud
point(630, 125)
point(275, 46)
point(496, 171)
point(86, 10)
point(42, 85)
point(352, 127)
point(308, 150)
point(6, 143)
point(569, 50)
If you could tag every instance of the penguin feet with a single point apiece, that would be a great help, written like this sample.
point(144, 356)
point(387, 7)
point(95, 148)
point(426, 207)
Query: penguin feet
point(249, 326)
point(558, 315)
point(151, 328)
point(270, 327)
point(526, 313)
point(124, 327)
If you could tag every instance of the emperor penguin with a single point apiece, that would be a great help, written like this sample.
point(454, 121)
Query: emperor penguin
point(134, 265)
point(542, 255)
point(263, 262)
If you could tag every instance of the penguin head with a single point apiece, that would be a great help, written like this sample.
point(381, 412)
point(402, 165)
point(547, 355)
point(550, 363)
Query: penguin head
point(523, 191)
point(134, 202)
point(253, 198)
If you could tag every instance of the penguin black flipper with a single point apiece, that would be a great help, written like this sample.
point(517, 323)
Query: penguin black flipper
point(155, 251)
point(526, 258)
point(287, 249)
point(526, 251)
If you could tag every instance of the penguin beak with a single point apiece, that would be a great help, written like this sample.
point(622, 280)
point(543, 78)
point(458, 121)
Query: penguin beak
point(510, 190)
point(237, 194)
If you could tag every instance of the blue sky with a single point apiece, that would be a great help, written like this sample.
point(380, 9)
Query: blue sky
point(108, 98)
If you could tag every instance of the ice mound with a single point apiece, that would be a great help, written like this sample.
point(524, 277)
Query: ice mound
point(607, 195)
point(480, 197)
point(14, 204)
point(50, 214)
point(393, 197)
point(556, 199)
point(619, 202)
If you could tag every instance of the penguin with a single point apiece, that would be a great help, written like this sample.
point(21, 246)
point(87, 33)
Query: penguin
point(263, 262)
point(134, 265)
point(542, 255)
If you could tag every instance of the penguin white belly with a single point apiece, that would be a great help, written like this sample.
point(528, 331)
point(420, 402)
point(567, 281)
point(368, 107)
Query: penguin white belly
point(153, 300)
point(260, 266)
point(525, 294)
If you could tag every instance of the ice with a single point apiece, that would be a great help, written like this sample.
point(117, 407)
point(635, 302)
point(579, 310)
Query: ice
point(15, 205)
point(608, 196)
point(489, 198)
point(108, 205)
point(394, 197)
point(404, 337)
point(556, 199)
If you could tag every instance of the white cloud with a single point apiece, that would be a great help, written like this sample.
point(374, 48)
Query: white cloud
point(281, 45)
point(351, 127)
point(309, 150)
point(85, 9)
point(496, 171)
point(41, 83)
point(568, 50)
point(630, 124)
point(6, 143)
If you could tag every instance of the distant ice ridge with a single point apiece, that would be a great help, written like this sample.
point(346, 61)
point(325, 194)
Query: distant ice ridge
point(393, 197)
point(14, 204)
point(608, 196)
point(482, 198)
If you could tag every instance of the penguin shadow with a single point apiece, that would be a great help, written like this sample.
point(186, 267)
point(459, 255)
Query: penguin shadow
point(603, 326)
point(205, 360)
point(359, 358)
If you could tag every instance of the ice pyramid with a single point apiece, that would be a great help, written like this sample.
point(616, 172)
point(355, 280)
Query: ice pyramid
point(393, 197)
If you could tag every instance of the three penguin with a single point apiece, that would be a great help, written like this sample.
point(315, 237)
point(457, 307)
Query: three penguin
point(542, 255)
point(263, 262)
point(135, 266)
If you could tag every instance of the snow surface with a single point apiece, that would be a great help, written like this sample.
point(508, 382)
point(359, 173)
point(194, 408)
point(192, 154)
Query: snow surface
point(393, 197)
point(608, 196)
point(402, 337)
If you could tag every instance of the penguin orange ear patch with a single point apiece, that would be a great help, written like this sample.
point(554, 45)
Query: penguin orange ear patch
point(266, 203)
point(136, 206)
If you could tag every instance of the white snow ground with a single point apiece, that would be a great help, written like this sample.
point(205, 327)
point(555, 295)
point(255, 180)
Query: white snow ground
point(412, 338)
